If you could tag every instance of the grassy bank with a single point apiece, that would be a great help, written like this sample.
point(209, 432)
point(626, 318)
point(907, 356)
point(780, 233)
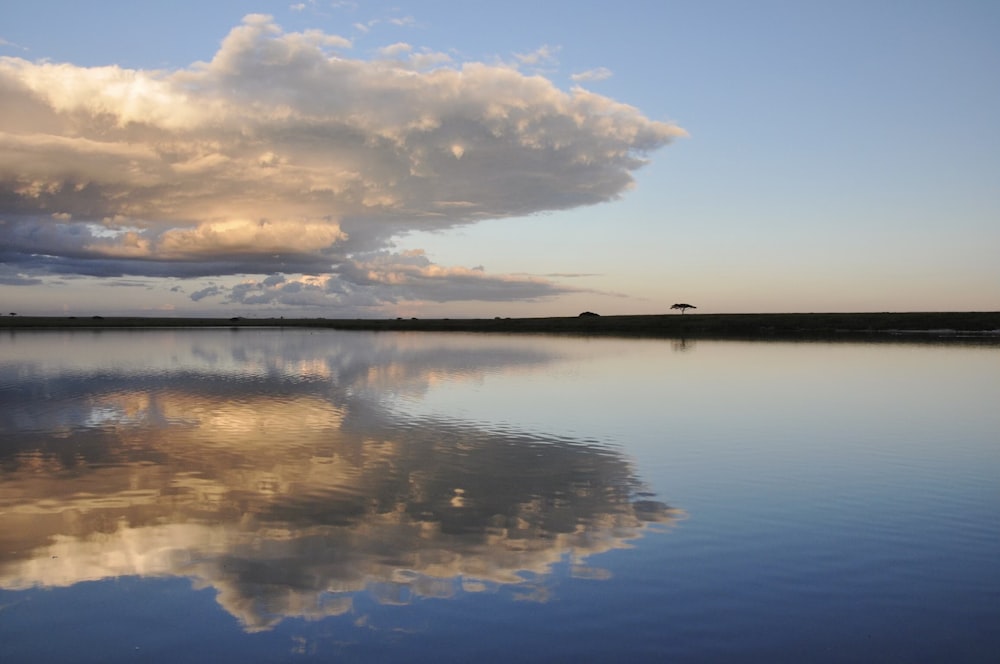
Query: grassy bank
point(937, 325)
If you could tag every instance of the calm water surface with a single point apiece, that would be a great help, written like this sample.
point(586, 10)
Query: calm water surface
point(268, 495)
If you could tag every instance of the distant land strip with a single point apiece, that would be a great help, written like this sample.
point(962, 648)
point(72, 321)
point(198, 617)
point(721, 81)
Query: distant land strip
point(975, 326)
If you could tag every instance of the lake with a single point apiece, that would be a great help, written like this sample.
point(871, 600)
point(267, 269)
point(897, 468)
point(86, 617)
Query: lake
point(291, 495)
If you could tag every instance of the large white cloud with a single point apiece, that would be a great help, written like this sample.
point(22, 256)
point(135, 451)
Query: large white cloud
point(283, 155)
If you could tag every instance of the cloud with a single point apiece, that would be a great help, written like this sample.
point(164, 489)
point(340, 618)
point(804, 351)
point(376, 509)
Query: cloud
point(599, 74)
point(395, 50)
point(544, 55)
point(10, 44)
point(366, 26)
point(402, 21)
point(384, 277)
point(282, 155)
point(126, 283)
point(11, 277)
point(210, 291)
point(413, 276)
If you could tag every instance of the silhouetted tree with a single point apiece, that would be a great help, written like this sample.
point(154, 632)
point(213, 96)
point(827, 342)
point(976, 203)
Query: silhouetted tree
point(682, 306)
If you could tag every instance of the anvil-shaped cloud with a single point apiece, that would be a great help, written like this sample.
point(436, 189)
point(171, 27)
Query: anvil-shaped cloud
point(282, 157)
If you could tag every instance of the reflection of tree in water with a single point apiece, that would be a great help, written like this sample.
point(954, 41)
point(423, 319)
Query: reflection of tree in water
point(682, 345)
point(289, 496)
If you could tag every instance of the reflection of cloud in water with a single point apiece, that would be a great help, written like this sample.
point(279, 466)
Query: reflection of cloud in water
point(288, 495)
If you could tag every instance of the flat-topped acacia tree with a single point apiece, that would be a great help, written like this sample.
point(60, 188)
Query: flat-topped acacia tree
point(682, 306)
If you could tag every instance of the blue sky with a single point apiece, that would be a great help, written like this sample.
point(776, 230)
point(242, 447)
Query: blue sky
point(516, 159)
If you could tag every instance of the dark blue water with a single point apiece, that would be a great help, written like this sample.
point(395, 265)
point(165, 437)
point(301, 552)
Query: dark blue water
point(293, 495)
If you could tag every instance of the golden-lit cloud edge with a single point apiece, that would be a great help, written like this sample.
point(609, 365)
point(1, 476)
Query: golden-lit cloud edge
point(281, 155)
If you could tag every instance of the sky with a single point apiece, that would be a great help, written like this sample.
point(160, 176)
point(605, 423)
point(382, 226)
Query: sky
point(427, 158)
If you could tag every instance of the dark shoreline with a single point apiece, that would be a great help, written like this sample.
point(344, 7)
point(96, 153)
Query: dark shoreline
point(983, 327)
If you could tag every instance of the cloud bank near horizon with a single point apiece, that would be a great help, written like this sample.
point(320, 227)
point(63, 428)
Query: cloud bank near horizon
point(283, 158)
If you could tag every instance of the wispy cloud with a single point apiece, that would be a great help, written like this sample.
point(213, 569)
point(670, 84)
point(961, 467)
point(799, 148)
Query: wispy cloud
point(10, 44)
point(599, 74)
point(401, 21)
point(283, 156)
point(396, 21)
point(543, 56)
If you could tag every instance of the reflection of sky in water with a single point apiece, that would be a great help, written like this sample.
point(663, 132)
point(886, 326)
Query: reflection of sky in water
point(271, 468)
point(470, 495)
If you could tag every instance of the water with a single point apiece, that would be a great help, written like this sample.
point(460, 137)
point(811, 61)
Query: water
point(269, 495)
